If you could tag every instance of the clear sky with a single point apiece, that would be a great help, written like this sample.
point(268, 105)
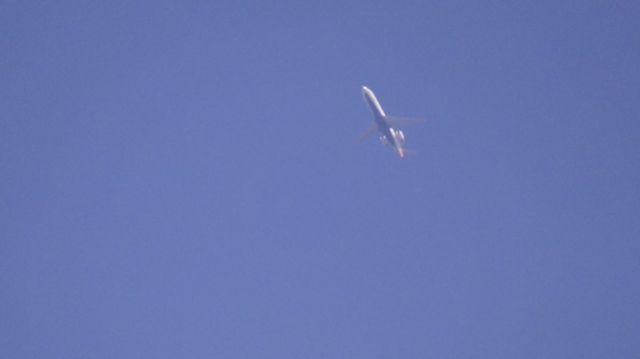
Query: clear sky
point(182, 180)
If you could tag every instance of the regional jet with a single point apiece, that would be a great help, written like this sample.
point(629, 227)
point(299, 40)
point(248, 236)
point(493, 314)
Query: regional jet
point(391, 137)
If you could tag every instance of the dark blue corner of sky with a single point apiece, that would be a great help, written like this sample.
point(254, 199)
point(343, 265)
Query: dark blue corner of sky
point(183, 179)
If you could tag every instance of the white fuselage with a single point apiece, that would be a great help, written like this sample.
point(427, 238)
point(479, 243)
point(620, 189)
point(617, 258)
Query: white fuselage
point(394, 138)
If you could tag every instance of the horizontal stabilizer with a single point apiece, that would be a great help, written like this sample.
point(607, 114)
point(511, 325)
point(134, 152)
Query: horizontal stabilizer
point(409, 152)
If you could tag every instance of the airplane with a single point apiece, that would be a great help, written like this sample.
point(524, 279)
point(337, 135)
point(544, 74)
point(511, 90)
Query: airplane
point(391, 137)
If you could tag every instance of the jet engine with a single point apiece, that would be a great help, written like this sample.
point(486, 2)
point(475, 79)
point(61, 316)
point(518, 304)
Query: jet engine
point(384, 141)
point(400, 136)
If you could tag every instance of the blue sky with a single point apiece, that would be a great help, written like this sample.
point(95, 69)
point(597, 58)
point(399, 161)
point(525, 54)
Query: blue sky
point(181, 179)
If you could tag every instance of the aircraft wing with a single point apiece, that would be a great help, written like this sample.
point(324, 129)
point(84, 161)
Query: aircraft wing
point(395, 121)
point(369, 132)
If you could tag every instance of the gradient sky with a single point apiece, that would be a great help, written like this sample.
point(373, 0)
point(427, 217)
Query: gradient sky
point(181, 180)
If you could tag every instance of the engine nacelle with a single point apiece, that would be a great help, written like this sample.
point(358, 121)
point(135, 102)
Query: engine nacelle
point(400, 136)
point(384, 141)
